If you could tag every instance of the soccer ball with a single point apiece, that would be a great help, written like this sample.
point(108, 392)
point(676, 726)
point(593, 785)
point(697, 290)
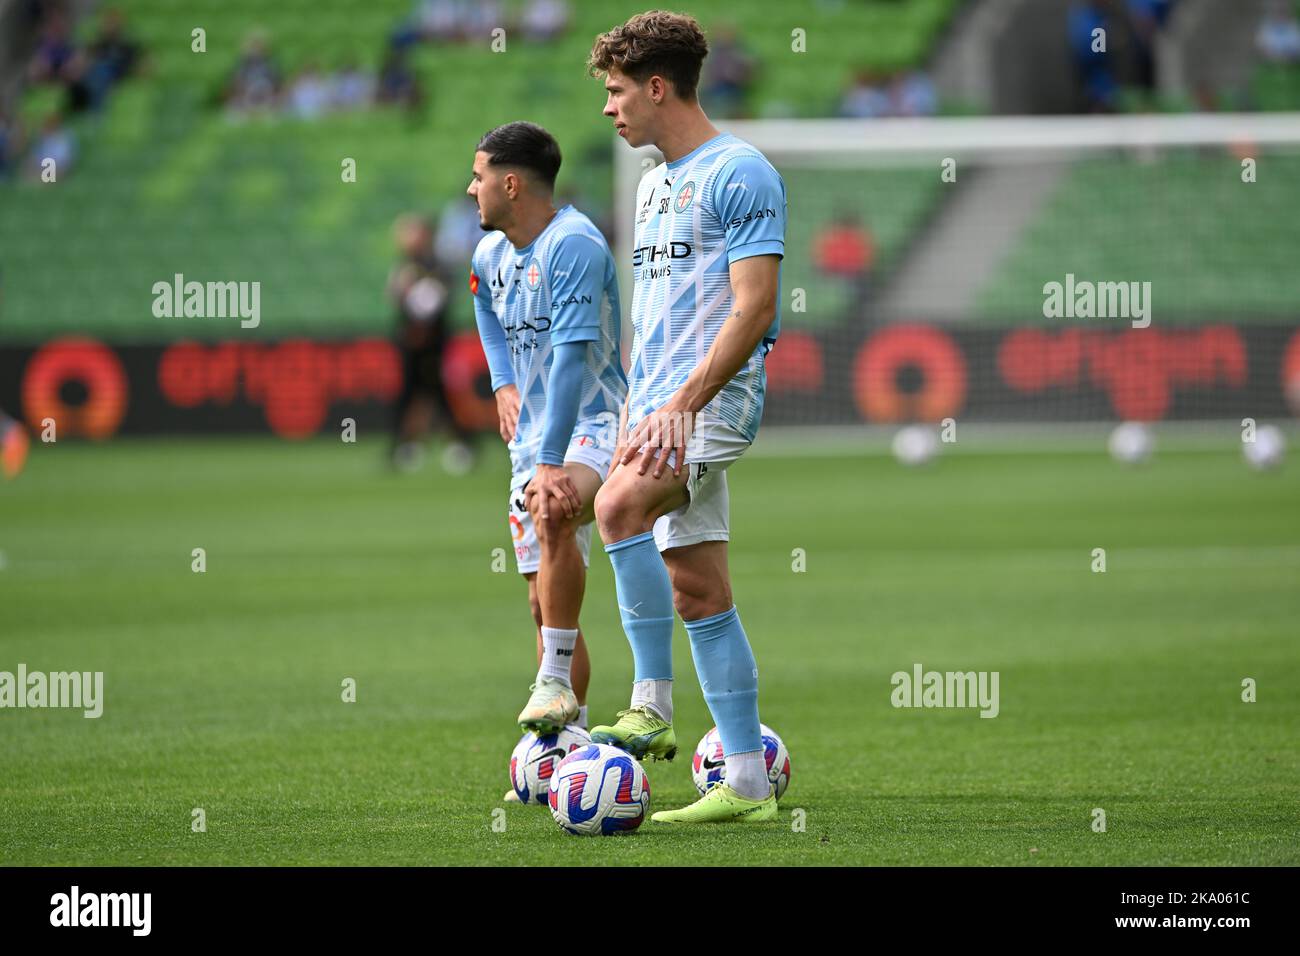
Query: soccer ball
point(708, 766)
point(1267, 450)
point(915, 445)
point(599, 790)
point(1131, 443)
point(535, 758)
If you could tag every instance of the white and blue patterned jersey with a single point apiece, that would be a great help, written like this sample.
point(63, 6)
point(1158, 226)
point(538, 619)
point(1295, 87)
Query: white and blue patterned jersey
point(695, 216)
point(560, 288)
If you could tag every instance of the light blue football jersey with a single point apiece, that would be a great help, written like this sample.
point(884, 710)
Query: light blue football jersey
point(560, 288)
point(695, 216)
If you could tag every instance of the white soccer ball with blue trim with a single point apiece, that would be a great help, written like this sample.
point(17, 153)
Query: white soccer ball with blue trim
point(708, 766)
point(599, 790)
point(535, 758)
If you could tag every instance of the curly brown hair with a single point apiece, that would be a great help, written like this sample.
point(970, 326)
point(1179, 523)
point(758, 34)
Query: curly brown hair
point(657, 42)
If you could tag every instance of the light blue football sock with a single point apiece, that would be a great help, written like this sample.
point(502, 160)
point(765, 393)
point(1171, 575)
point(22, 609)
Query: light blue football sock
point(729, 678)
point(645, 603)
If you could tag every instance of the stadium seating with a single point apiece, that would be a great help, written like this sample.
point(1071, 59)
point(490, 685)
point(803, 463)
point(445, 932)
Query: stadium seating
point(166, 183)
point(1177, 223)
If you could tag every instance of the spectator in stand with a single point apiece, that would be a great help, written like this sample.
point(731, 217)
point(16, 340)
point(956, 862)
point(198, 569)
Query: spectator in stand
point(459, 230)
point(1099, 90)
point(309, 93)
point(112, 57)
point(865, 97)
point(54, 52)
point(544, 20)
point(845, 251)
point(480, 19)
point(912, 94)
point(55, 142)
point(351, 87)
point(1278, 38)
point(255, 84)
point(441, 21)
point(728, 74)
point(1146, 19)
point(398, 84)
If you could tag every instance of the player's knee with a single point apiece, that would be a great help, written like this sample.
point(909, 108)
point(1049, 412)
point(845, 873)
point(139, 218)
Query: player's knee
point(618, 514)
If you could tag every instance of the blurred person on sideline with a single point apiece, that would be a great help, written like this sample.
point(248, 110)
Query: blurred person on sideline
point(422, 296)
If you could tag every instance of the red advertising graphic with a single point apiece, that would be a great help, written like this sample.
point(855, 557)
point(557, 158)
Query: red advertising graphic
point(912, 372)
point(924, 348)
point(1138, 369)
point(462, 365)
point(1291, 374)
point(796, 364)
point(81, 364)
point(295, 382)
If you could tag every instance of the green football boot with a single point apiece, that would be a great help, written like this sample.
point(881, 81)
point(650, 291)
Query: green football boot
point(721, 804)
point(641, 732)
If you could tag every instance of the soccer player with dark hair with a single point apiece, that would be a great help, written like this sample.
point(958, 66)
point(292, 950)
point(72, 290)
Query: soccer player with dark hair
point(710, 236)
point(546, 301)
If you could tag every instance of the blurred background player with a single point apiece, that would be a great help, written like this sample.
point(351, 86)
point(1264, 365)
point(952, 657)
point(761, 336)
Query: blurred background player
point(546, 303)
point(710, 236)
point(421, 294)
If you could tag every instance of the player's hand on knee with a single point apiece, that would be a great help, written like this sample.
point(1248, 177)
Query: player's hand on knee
point(554, 489)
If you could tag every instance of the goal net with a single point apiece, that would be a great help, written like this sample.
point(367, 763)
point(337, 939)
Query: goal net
point(1021, 270)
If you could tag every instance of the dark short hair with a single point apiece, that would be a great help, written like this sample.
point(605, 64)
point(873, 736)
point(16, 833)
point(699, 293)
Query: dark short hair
point(525, 145)
point(671, 45)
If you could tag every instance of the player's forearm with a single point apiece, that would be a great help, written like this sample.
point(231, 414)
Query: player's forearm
point(494, 346)
point(563, 396)
point(736, 342)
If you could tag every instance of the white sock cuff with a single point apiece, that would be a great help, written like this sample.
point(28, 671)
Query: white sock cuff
point(561, 637)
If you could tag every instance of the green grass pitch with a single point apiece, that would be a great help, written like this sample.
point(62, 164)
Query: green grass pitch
point(1119, 691)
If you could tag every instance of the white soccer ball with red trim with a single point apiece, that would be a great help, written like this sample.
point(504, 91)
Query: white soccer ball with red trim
point(535, 759)
point(708, 766)
point(599, 790)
